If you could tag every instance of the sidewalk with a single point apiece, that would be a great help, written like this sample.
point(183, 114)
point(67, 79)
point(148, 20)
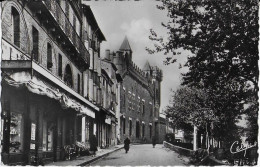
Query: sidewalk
point(84, 160)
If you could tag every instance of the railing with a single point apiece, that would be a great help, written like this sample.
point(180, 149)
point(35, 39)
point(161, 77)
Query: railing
point(67, 28)
point(12, 52)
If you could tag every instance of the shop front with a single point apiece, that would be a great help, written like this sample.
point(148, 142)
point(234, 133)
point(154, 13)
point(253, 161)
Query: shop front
point(38, 123)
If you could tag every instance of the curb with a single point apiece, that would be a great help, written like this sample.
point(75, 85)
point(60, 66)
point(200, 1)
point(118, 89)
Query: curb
point(99, 157)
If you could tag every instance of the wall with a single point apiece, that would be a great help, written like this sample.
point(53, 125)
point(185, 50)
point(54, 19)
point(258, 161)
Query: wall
point(26, 23)
point(131, 87)
point(180, 150)
point(162, 133)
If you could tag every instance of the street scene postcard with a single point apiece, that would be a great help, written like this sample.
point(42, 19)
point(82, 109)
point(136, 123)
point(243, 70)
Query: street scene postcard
point(129, 82)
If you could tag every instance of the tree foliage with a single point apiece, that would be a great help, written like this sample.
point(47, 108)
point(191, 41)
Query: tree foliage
point(189, 107)
point(192, 106)
point(218, 33)
point(223, 39)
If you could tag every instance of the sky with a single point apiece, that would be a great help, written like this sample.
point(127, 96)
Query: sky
point(134, 19)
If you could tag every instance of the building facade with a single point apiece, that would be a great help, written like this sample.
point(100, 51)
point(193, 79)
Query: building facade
point(139, 97)
point(52, 94)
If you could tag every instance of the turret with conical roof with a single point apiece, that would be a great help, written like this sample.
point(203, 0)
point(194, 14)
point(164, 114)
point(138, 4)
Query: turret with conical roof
point(125, 46)
point(126, 49)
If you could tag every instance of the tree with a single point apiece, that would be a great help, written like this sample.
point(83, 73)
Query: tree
point(220, 34)
point(222, 37)
point(192, 106)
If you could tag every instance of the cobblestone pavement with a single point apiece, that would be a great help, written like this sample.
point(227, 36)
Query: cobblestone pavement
point(142, 155)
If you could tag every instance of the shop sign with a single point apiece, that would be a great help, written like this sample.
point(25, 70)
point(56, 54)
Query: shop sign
point(33, 131)
point(32, 146)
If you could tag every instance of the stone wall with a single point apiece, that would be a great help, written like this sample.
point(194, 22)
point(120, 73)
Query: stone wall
point(180, 150)
point(26, 24)
point(133, 91)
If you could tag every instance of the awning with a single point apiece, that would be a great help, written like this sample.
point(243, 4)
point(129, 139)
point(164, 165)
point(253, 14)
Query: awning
point(37, 86)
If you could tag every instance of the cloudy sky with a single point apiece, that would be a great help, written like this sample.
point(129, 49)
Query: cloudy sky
point(134, 20)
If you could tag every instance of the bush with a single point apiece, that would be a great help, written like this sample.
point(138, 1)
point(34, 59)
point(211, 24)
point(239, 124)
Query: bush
point(199, 155)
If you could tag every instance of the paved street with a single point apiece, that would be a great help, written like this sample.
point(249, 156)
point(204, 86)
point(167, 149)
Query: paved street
point(143, 155)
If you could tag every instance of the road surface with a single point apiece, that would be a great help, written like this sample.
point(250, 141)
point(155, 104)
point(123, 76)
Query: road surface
point(141, 155)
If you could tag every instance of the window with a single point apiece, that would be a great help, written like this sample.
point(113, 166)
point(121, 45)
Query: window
point(150, 129)
point(74, 26)
point(48, 130)
point(124, 99)
point(68, 76)
point(79, 127)
point(143, 130)
point(16, 128)
point(129, 101)
point(49, 56)
point(60, 66)
point(35, 51)
point(130, 127)
point(12, 123)
point(143, 108)
point(16, 27)
point(137, 129)
point(123, 125)
point(151, 110)
point(78, 83)
point(140, 106)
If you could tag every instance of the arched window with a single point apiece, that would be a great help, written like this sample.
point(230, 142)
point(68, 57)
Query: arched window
point(124, 126)
point(68, 76)
point(16, 27)
point(78, 83)
point(49, 56)
point(137, 129)
point(60, 66)
point(35, 51)
point(130, 127)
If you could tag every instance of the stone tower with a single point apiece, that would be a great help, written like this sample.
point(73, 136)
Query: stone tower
point(154, 76)
point(123, 58)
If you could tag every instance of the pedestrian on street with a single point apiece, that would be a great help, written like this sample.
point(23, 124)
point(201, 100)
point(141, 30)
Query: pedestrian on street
point(154, 141)
point(93, 144)
point(126, 144)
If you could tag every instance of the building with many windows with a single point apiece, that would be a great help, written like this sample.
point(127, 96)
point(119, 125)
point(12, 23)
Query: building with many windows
point(53, 88)
point(139, 97)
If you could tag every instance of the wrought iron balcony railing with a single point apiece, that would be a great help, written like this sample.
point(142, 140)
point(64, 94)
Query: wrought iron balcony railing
point(56, 11)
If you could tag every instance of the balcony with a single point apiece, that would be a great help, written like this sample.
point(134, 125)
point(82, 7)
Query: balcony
point(13, 59)
point(51, 9)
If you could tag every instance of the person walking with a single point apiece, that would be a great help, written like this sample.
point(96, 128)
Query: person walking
point(154, 141)
point(93, 144)
point(126, 144)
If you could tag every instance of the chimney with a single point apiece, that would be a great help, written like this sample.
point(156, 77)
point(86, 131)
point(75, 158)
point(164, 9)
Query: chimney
point(112, 56)
point(107, 54)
